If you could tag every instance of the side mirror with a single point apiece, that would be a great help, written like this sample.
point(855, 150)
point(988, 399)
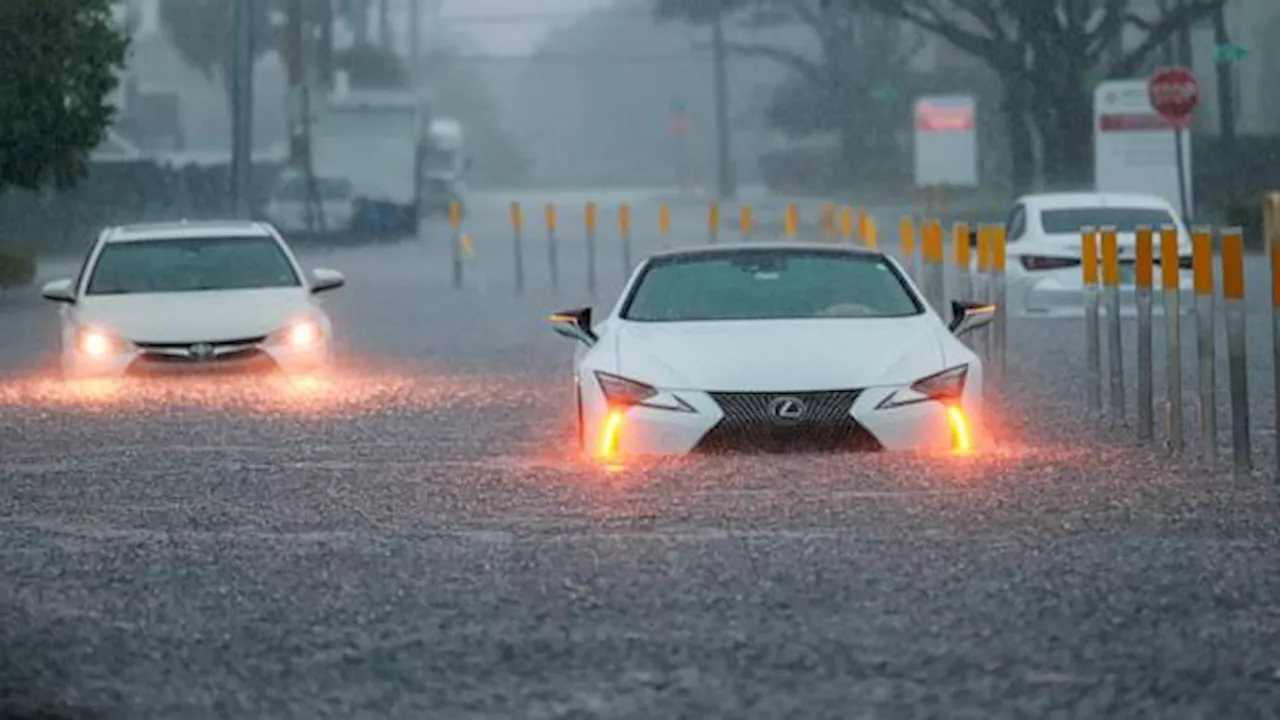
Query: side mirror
point(969, 316)
point(575, 325)
point(59, 291)
point(325, 280)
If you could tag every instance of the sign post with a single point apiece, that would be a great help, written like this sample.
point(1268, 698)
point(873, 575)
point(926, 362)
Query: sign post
point(1175, 94)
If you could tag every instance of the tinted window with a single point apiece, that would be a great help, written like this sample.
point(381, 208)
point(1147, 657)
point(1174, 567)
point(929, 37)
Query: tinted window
point(769, 285)
point(191, 264)
point(1125, 220)
point(1017, 225)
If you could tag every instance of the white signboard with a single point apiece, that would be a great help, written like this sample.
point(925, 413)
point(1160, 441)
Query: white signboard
point(946, 141)
point(1134, 147)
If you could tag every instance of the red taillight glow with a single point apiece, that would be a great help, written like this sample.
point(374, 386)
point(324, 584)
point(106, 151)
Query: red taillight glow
point(609, 437)
point(961, 443)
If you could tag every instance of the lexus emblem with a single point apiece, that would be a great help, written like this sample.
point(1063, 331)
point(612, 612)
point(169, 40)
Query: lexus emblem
point(787, 410)
point(202, 351)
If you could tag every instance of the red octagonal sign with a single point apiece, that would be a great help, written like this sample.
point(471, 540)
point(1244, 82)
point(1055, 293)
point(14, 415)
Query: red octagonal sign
point(1174, 94)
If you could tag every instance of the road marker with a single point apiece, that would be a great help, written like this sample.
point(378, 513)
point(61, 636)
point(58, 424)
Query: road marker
point(1115, 353)
point(1146, 367)
point(517, 244)
point(1202, 269)
point(1169, 282)
point(1092, 332)
point(552, 220)
point(1237, 355)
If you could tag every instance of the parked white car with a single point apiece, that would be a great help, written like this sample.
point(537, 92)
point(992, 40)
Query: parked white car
point(1043, 253)
point(198, 296)
point(776, 348)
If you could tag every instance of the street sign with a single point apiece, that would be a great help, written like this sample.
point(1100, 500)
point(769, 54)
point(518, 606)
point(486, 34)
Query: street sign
point(1134, 145)
point(1174, 94)
point(1230, 53)
point(946, 141)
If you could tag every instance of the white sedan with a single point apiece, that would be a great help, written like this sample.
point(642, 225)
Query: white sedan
point(1043, 254)
point(198, 296)
point(762, 347)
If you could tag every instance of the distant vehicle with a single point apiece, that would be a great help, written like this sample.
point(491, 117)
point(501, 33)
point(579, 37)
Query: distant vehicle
point(1043, 253)
point(292, 209)
point(199, 296)
point(376, 140)
point(774, 348)
point(446, 166)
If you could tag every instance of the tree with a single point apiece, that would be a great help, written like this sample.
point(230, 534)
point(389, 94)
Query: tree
point(371, 66)
point(203, 32)
point(1049, 54)
point(854, 85)
point(57, 72)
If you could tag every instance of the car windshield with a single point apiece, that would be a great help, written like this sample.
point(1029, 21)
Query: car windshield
point(769, 285)
point(1125, 220)
point(190, 265)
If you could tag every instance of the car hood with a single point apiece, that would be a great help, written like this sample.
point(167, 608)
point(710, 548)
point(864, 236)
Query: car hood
point(190, 317)
point(780, 355)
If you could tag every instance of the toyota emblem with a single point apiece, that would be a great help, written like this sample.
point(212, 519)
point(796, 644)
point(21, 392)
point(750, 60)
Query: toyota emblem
point(787, 410)
point(202, 351)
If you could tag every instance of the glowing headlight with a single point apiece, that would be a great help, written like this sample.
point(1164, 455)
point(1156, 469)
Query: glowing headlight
point(98, 343)
point(946, 387)
point(620, 392)
point(300, 335)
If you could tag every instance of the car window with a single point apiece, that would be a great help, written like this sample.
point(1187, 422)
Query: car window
point(1016, 227)
point(1125, 220)
point(769, 284)
point(192, 264)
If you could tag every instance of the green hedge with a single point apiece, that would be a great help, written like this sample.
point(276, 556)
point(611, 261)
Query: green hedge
point(17, 268)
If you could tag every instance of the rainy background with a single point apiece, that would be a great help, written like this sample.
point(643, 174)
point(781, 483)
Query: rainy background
point(414, 535)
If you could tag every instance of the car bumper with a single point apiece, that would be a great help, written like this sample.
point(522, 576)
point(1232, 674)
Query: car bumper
point(1062, 293)
point(136, 362)
point(707, 429)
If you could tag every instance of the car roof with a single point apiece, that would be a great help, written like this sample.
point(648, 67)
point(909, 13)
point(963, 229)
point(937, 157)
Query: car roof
point(184, 229)
point(728, 248)
point(1064, 200)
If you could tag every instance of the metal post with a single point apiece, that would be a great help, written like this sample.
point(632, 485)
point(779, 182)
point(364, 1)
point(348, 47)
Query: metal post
point(624, 229)
point(242, 110)
point(455, 222)
point(1093, 341)
point(932, 253)
point(1169, 283)
point(960, 252)
point(713, 222)
point(907, 243)
point(1202, 262)
point(1115, 354)
point(1237, 356)
point(517, 246)
point(549, 212)
point(1001, 335)
point(591, 249)
point(1272, 230)
point(985, 294)
point(1146, 368)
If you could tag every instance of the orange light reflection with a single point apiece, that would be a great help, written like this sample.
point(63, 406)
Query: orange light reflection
point(609, 438)
point(961, 442)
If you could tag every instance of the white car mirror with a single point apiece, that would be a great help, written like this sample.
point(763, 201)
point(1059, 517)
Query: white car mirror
point(326, 280)
point(969, 316)
point(59, 291)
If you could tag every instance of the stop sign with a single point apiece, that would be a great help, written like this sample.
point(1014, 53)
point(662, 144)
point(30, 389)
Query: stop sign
point(1174, 94)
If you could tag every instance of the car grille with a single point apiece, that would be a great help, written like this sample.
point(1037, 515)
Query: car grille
point(750, 424)
point(241, 360)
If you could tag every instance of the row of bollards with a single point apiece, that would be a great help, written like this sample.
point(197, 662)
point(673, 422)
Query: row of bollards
point(1102, 297)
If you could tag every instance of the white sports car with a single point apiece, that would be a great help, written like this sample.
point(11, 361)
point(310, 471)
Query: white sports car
point(206, 296)
point(774, 347)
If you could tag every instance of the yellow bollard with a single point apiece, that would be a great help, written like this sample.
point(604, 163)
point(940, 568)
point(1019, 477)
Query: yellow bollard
point(1237, 355)
point(455, 222)
point(791, 221)
point(907, 244)
point(1000, 334)
point(746, 222)
point(846, 223)
point(1111, 290)
point(1142, 280)
point(1093, 337)
point(863, 223)
point(1169, 282)
point(828, 220)
point(551, 217)
point(960, 255)
point(933, 254)
point(455, 214)
point(713, 222)
point(871, 238)
point(466, 245)
point(624, 229)
point(517, 244)
point(1206, 334)
point(591, 248)
point(664, 221)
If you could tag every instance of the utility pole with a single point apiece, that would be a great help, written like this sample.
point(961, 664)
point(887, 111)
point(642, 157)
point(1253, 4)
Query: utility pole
point(300, 111)
point(724, 154)
point(415, 41)
point(242, 110)
point(1226, 94)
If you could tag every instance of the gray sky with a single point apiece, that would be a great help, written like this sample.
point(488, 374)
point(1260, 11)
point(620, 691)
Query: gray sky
point(513, 26)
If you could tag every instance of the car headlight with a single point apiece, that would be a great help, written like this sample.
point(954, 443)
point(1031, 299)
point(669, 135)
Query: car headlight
point(622, 393)
point(300, 335)
point(95, 342)
point(945, 387)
